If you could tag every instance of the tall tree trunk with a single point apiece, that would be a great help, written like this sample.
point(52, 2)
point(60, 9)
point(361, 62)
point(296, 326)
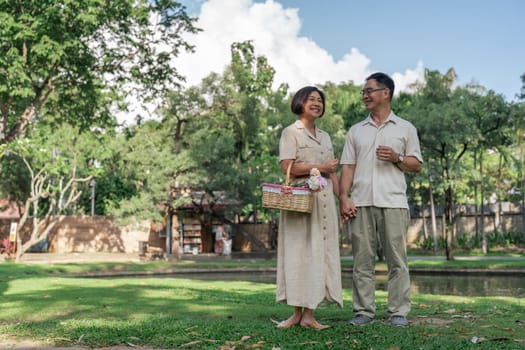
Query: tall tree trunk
point(482, 223)
point(521, 176)
point(499, 209)
point(423, 215)
point(433, 218)
point(476, 206)
point(449, 220)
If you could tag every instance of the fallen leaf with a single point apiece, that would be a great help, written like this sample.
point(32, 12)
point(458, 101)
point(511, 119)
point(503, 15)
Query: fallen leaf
point(60, 338)
point(310, 343)
point(257, 345)
point(191, 343)
point(432, 334)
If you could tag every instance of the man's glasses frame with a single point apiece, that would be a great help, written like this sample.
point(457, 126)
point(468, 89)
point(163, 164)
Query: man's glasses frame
point(369, 91)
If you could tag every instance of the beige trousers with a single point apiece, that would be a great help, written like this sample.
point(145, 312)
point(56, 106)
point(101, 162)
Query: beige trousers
point(386, 228)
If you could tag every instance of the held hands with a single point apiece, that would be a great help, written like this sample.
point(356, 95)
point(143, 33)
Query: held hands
point(386, 154)
point(348, 210)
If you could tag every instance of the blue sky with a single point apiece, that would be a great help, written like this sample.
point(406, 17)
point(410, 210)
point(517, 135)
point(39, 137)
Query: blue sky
point(311, 42)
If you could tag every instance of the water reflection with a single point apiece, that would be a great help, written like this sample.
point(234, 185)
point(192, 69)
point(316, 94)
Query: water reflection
point(462, 285)
point(468, 285)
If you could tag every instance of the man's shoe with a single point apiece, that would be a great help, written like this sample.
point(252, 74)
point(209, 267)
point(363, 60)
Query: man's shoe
point(399, 321)
point(361, 320)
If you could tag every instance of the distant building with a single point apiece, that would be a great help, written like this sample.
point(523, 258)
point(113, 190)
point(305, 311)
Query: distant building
point(9, 210)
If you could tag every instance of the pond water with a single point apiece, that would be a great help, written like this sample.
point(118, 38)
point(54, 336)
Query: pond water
point(461, 285)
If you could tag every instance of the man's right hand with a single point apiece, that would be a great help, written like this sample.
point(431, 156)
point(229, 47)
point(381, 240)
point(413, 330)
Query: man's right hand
point(348, 209)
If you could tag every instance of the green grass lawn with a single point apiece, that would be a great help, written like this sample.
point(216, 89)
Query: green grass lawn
point(46, 303)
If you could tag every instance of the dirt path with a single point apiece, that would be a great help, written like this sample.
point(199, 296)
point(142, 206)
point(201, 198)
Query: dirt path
point(14, 344)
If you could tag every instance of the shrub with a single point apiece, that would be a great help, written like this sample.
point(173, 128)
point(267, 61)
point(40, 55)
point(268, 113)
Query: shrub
point(428, 243)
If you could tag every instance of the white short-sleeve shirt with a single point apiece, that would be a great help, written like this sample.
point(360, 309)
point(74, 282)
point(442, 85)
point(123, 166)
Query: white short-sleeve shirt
point(379, 183)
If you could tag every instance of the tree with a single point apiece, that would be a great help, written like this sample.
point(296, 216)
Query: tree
point(519, 111)
point(229, 133)
point(445, 135)
point(148, 161)
point(344, 108)
point(202, 144)
point(54, 170)
point(72, 60)
point(491, 117)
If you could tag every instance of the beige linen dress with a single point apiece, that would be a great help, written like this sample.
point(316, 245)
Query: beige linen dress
point(308, 263)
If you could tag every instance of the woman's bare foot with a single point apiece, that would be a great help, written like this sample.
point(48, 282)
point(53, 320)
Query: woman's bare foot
point(313, 324)
point(308, 320)
point(292, 321)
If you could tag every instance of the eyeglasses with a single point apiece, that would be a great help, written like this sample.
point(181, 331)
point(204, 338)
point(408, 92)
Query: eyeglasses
point(369, 91)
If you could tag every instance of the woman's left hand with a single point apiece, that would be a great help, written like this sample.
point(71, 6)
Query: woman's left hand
point(330, 166)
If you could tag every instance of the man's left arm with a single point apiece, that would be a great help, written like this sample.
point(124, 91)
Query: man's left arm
point(412, 161)
point(409, 164)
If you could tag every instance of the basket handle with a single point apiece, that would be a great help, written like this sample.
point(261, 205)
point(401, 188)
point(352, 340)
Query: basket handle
point(288, 170)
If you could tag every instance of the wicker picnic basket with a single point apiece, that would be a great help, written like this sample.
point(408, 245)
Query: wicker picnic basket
point(286, 197)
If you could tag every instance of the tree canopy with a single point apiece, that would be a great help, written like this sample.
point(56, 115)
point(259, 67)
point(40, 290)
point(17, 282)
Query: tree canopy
point(66, 69)
point(76, 59)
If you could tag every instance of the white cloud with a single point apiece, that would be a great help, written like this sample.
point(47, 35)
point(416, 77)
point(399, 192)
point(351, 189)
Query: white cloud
point(275, 33)
point(404, 82)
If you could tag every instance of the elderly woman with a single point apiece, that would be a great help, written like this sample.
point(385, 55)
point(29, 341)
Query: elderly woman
point(308, 263)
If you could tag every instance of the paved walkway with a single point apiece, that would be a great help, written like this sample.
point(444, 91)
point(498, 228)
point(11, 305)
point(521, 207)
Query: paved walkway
point(31, 345)
point(50, 258)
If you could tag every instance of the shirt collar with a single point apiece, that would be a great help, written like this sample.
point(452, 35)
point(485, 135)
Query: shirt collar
point(392, 118)
point(299, 125)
